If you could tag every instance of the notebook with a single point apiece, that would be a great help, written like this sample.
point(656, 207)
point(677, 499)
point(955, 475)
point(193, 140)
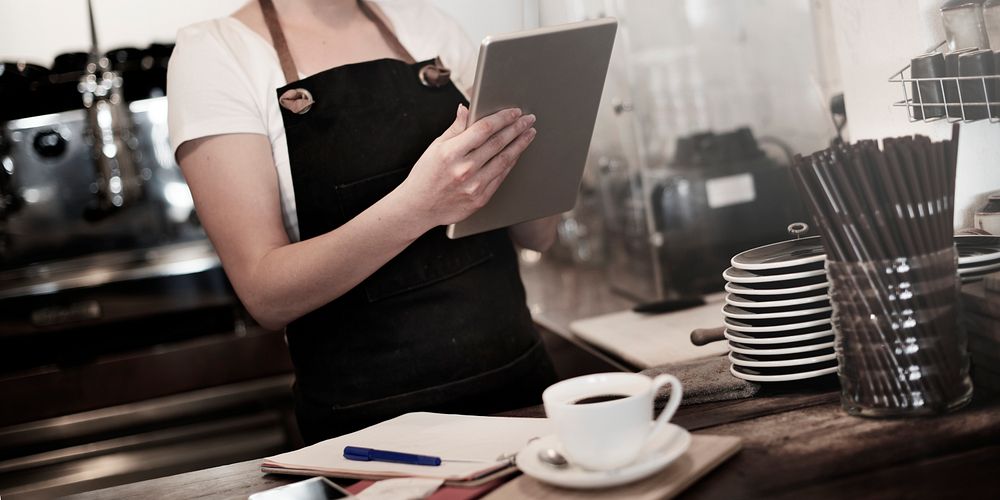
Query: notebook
point(481, 442)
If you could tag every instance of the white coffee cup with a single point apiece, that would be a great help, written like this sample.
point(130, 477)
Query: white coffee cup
point(609, 434)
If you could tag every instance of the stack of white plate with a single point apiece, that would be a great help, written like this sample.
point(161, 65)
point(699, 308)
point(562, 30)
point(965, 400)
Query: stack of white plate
point(977, 256)
point(778, 311)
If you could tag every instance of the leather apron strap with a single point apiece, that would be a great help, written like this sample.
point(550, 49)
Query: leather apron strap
point(285, 55)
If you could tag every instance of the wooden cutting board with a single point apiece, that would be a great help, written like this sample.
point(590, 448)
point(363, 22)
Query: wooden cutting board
point(648, 340)
point(706, 453)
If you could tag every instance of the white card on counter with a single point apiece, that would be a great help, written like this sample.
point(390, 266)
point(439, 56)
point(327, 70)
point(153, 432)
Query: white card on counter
point(730, 190)
point(648, 340)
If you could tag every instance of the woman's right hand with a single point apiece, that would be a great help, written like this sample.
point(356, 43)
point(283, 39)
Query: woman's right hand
point(461, 169)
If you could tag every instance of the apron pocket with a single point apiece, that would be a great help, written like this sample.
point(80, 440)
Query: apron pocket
point(430, 259)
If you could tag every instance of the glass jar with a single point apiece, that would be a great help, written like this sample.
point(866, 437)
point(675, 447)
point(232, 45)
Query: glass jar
point(964, 25)
point(899, 339)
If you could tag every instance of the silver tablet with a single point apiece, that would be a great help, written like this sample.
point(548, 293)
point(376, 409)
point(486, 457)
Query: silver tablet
point(558, 74)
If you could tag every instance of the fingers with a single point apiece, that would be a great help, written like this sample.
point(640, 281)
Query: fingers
point(495, 171)
point(457, 126)
point(478, 133)
point(494, 145)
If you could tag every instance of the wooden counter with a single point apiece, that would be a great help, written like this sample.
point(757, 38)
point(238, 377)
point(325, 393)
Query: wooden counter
point(797, 442)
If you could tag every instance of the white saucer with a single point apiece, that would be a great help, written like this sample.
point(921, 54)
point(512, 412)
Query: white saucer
point(663, 448)
point(783, 378)
point(779, 255)
point(984, 269)
point(739, 326)
point(786, 350)
point(782, 363)
point(742, 289)
point(731, 311)
point(751, 302)
point(744, 338)
point(736, 275)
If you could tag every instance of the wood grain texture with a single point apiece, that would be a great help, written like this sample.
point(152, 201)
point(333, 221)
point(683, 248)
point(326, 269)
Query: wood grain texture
point(797, 442)
point(238, 480)
point(976, 298)
point(970, 474)
point(817, 445)
point(807, 443)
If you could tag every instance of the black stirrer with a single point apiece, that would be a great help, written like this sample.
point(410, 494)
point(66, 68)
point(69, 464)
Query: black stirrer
point(896, 157)
point(832, 243)
point(873, 223)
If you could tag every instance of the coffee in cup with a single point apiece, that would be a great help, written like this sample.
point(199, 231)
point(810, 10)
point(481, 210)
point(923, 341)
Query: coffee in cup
point(603, 420)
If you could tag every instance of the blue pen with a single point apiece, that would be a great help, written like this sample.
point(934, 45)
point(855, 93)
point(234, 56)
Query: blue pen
point(371, 454)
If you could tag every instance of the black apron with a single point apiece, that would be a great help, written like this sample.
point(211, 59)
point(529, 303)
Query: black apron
point(443, 326)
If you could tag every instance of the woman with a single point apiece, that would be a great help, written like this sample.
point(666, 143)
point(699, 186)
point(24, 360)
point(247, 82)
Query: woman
point(324, 161)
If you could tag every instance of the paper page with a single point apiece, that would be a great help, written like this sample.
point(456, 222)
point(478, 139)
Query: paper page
point(453, 437)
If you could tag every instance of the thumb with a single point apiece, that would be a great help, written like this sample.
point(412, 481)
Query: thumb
point(458, 126)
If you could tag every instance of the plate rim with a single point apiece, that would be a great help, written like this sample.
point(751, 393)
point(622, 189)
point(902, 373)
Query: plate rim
point(978, 269)
point(780, 291)
point(785, 363)
point(776, 315)
point(784, 340)
point(780, 303)
point(773, 278)
point(791, 263)
point(787, 350)
point(783, 378)
point(975, 259)
point(779, 328)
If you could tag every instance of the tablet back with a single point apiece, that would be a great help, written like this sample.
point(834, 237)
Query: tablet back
point(558, 74)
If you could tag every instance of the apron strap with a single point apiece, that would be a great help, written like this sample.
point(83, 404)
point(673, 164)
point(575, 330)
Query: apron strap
point(285, 55)
point(278, 39)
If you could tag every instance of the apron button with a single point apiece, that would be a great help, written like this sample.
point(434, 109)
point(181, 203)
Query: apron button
point(298, 101)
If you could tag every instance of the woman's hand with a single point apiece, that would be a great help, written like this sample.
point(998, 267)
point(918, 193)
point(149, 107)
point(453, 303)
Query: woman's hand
point(462, 168)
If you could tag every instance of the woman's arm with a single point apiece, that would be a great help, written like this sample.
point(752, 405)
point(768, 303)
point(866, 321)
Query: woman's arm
point(233, 181)
point(538, 234)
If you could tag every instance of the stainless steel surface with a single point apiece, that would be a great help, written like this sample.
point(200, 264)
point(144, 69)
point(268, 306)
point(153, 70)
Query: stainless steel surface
point(153, 454)
point(50, 182)
point(552, 457)
point(147, 439)
point(100, 269)
point(558, 74)
point(109, 127)
point(124, 354)
point(142, 413)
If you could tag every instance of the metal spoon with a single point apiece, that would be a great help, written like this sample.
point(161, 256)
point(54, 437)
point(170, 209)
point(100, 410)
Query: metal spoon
point(552, 457)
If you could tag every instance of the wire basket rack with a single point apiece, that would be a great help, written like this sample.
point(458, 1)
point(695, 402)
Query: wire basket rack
point(953, 98)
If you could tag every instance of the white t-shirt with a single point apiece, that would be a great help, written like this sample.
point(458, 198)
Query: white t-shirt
point(223, 75)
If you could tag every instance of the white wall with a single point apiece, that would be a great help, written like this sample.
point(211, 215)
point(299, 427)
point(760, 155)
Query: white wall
point(38, 30)
point(874, 40)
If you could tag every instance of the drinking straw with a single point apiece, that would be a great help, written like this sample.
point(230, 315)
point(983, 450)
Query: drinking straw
point(879, 205)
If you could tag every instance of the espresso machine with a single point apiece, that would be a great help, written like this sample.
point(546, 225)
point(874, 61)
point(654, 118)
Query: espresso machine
point(123, 349)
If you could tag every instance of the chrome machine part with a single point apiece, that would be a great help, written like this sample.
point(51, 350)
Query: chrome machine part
point(109, 124)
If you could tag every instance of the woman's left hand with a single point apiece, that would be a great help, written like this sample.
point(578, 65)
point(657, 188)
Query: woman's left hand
point(538, 234)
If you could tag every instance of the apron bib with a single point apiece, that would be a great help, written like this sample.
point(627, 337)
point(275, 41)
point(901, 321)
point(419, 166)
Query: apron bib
point(444, 325)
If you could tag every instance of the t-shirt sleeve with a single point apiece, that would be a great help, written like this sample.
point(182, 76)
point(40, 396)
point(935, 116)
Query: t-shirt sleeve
point(431, 32)
point(458, 52)
point(208, 92)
